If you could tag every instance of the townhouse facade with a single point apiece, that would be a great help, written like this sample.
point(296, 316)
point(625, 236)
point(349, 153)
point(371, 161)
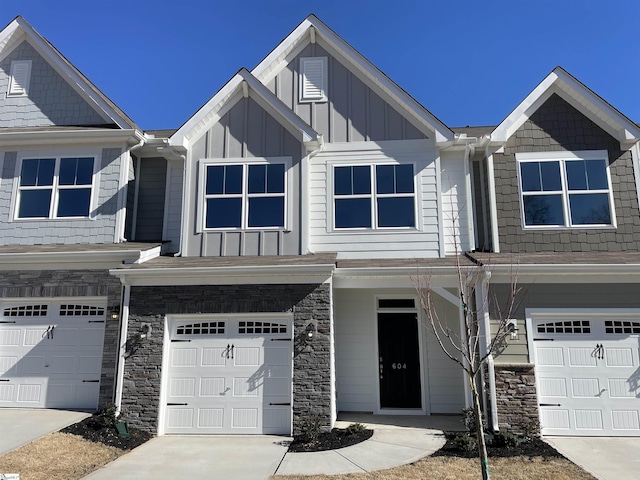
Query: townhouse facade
point(257, 267)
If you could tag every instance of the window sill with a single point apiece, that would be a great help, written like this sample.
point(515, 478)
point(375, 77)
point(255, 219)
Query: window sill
point(569, 229)
point(56, 219)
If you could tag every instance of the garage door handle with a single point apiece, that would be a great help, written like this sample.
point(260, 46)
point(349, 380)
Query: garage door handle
point(280, 339)
point(4, 380)
point(7, 321)
point(177, 404)
point(172, 341)
point(90, 381)
point(281, 404)
point(550, 405)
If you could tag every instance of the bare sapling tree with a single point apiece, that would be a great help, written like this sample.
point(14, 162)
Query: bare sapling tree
point(473, 344)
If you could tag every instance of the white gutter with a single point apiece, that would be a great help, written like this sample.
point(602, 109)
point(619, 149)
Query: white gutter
point(81, 136)
point(114, 257)
point(567, 269)
point(124, 325)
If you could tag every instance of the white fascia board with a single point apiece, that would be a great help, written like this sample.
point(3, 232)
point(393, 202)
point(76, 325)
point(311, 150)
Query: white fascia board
point(208, 114)
point(577, 95)
point(272, 64)
point(81, 259)
point(225, 275)
point(398, 277)
point(75, 137)
point(75, 79)
point(566, 273)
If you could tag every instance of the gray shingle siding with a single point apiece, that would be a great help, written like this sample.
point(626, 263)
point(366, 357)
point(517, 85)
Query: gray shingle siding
point(557, 126)
point(151, 192)
point(100, 229)
point(50, 100)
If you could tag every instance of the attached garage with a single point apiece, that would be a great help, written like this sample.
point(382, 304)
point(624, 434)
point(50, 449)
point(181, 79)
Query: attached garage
point(228, 374)
point(587, 372)
point(51, 352)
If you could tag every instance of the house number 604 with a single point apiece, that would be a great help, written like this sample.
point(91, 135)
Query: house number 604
point(398, 366)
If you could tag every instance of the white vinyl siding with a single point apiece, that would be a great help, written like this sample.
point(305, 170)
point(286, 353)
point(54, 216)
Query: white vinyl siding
point(173, 203)
point(419, 241)
point(456, 201)
point(355, 320)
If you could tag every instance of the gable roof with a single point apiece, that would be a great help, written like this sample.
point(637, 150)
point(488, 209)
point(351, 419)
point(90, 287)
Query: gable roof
point(19, 29)
point(250, 86)
point(577, 94)
point(313, 30)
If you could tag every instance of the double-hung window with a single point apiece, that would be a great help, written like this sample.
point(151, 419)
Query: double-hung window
point(247, 195)
point(373, 196)
point(55, 187)
point(565, 189)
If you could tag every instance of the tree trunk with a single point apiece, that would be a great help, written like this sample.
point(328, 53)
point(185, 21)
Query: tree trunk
point(482, 446)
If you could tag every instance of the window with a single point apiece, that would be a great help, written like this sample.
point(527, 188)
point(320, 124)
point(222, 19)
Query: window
point(569, 191)
point(55, 187)
point(20, 77)
point(383, 200)
point(239, 196)
point(313, 79)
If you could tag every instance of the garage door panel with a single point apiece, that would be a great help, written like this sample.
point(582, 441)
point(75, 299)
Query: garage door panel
point(553, 387)
point(245, 387)
point(62, 365)
point(619, 357)
point(9, 337)
point(276, 356)
point(585, 387)
point(30, 365)
point(581, 357)
point(212, 357)
point(34, 336)
point(180, 417)
point(184, 357)
point(7, 363)
point(622, 388)
point(182, 387)
point(588, 419)
point(244, 418)
point(212, 386)
point(555, 419)
point(550, 356)
point(29, 393)
point(210, 418)
point(625, 420)
point(276, 387)
point(90, 365)
point(247, 356)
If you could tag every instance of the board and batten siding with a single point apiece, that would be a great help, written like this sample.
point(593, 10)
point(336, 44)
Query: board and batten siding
point(246, 130)
point(423, 241)
point(456, 219)
point(355, 320)
point(100, 228)
point(554, 295)
point(353, 112)
point(50, 100)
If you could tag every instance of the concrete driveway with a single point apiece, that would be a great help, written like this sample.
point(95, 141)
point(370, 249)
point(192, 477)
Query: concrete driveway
point(236, 457)
point(20, 426)
point(605, 458)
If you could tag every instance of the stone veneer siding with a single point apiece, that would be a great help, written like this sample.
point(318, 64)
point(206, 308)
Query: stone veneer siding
point(516, 398)
point(557, 126)
point(311, 364)
point(74, 283)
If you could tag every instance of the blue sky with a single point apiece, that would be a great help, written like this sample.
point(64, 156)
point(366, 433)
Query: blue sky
point(468, 62)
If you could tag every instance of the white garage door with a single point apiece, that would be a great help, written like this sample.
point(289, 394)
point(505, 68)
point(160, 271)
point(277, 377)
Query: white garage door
point(588, 376)
point(51, 353)
point(229, 375)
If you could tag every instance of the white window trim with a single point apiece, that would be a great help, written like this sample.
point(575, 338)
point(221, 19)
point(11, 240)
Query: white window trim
point(15, 64)
point(96, 154)
point(303, 96)
point(525, 157)
point(245, 162)
point(331, 197)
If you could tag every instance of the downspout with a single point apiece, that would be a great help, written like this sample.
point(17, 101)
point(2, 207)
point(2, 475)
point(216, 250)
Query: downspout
point(481, 298)
point(493, 210)
point(124, 325)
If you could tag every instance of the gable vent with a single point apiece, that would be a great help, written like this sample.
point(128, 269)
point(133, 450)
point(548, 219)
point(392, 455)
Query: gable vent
point(20, 76)
point(313, 79)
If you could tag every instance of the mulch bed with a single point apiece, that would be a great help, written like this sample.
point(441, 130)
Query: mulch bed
point(94, 430)
point(524, 446)
point(336, 438)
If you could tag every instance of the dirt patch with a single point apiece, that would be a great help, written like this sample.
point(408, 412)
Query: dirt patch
point(462, 445)
point(336, 438)
point(58, 456)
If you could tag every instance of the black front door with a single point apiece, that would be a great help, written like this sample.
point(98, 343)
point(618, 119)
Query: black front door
point(399, 360)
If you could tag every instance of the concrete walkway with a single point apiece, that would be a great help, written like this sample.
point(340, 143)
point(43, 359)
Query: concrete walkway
point(20, 426)
point(396, 441)
point(606, 458)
